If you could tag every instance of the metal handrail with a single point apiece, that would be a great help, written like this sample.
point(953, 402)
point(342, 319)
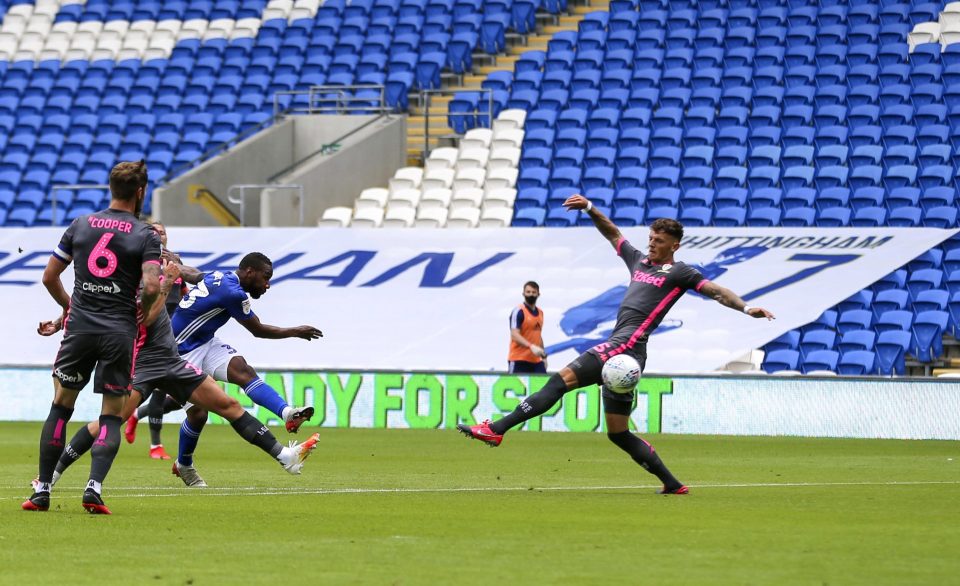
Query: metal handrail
point(338, 99)
point(326, 149)
point(426, 98)
point(68, 187)
point(242, 199)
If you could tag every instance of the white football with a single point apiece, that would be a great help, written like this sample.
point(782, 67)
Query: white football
point(621, 373)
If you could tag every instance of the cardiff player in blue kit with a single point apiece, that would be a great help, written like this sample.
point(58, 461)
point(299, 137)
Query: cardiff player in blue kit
point(657, 282)
point(216, 298)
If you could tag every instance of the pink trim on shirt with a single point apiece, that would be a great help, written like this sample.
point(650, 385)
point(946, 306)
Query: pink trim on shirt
point(153, 262)
point(619, 244)
point(701, 284)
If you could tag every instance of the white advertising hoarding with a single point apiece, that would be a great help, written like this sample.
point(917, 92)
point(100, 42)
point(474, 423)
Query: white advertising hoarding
point(440, 299)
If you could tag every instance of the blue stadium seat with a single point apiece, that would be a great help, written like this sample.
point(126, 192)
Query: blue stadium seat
point(857, 362)
point(894, 320)
point(628, 215)
point(799, 216)
point(857, 340)
point(928, 330)
point(891, 351)
point(854, 319)
point(778, 360)
point(820, 360)
point(817, 340)
point(931, 300)
point(729, 217)
point(698, 197)
point(787, 341)
point(924, 279)
point(529, 217)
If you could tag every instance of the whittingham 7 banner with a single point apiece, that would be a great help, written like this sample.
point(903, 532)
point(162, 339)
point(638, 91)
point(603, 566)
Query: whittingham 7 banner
point(440, 299)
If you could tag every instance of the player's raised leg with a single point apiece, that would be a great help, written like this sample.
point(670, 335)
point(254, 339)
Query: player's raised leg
point(242, 374)
point(210, 396)
point(532, 406)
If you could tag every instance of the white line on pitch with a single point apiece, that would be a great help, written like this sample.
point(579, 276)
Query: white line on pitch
point(162, 492)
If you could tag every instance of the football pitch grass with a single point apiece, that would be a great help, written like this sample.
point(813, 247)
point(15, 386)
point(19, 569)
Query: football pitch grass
point(432, 507)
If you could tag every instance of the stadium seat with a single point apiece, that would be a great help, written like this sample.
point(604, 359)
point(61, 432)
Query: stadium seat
point(857, 340)
point(820, 360)
point(854, 319)
point(857, 362)
point(781, 360)
point(928, 330)
point(891, 349)
point(787, 341)
point(817, 340)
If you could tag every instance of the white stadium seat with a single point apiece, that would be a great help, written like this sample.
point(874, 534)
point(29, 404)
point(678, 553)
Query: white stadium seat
point(375, 197)
point(441, 158)
point(437, 179)
point(504, 157)
point(431, 218)
point(501, 177)
point(495, 217)
point(473, 158)
point(367, 218)
point(336, 217)
point(474, 177)
point(924, 32)
point(463, 217)
point(399, 217)
point(510, 119)
point(406, 178)
point(436, 198)
point(476, 138)
point(404, 198)
point(507, 137)
point(470, 197)
point(502, 197)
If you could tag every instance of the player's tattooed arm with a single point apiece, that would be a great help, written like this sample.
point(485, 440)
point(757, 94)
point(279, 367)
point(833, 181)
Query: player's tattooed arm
point(171, 272)
point(262, 330)
point(600, 220)
point(726, 297)
point(51, 280)
point(150, 293)
point(191, 275)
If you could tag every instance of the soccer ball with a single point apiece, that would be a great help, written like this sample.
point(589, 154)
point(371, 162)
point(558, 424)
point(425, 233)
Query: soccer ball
point(621, 373)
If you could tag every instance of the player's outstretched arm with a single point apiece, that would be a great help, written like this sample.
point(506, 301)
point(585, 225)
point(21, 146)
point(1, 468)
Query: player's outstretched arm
point(601, 221)
point(727, 297)
point(262, 330)
point(191, 275)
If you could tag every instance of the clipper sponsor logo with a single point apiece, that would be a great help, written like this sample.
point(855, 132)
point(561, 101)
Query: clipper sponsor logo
point(66, 378)
point(641, 277)
point(95, 288)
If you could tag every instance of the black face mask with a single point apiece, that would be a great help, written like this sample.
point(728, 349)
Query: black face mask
point(531, 299)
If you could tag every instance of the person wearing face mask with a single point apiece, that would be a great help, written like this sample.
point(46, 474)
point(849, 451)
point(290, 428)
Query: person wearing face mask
point(657, 281)
point(526, 334)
